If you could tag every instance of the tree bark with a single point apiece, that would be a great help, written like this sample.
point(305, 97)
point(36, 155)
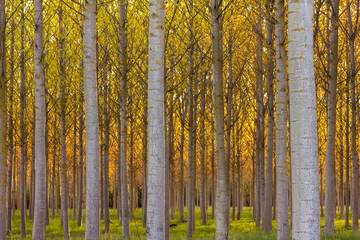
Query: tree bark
point(125, 218)
point(303, 122)
point(40, 121)
point(92, 230)
point(81, 163)
point(62, 100)
point(222, 190)
point(2, 121)
point(156, 110)
point(203, 150)
point(144, 166)
point(267, 224)
point(330, 194)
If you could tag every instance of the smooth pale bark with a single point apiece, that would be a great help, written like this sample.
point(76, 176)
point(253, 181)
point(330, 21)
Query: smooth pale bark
point(32, 177)
point(81, 157)
point(62, 100)
point(119, 206)
point(125, 218)
point(330, 182)
point(213, 182)
point(2, 122)
point(354, 155)
point(11, 129)
point(40, 121)
point(282, 210)
point(267, 217)
point(303, 123)
point(106, 142)
point(144, 166)
point(222, 194)
point(156, 110)
point(92, 224)
point(131, 166)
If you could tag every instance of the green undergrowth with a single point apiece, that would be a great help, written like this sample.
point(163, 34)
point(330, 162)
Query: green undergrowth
point(243, 229)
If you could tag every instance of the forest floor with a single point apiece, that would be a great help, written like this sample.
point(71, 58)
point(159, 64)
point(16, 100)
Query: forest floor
point(243, 229)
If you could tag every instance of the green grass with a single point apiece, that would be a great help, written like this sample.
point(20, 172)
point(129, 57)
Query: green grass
point(244, 229)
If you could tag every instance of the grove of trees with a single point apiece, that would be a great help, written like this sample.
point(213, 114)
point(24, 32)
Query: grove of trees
point(178, 106)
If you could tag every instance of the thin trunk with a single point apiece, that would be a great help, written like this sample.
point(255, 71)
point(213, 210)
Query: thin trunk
point(107, 93)
point(92, 230)
point(191, 150)
point(81, 163)
point(341, 167)
point(74, 164)
point(2, 121)
point(11, 127)
point(347, 157)
point(156, 110)
point(183, 112)
point(62, 100)
point(125, 218)
point(203, 150)
point(53, 201)
point(144, 166)
point(304, 142)
point(354, 156)
point(213, 180)
point(330, 193)
point(266, 221)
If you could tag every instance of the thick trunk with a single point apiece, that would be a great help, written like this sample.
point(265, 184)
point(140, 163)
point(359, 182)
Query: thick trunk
point(156, 110)
point(40, 121)
point(330, 194)
point(303, 122)
point(92, 230)
point(222, 193)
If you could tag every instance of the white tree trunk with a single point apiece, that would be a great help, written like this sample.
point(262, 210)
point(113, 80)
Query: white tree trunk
point(92, 224)
point(282, 213)
point(40, 121)
point(156, 109)
point(330, 195)
point(303, 123)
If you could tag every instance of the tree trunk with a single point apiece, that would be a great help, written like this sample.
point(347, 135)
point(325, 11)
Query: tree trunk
point(81, 163)
point(107, 93)
point(354, 156)
point(123, 108)
point(203, 150)
point(330, 194)
point(40, 121)
point(11, 128)
point(74, 162)
point(53, 201)
point(222, 193)
point(92, 230)
point(156, 110)
point(347, 166)
point(267, 224)
point(303, 122)
point(62, 100)
point(341, 167)
point(2, 121)
point(183, 112)
point(144, 166)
